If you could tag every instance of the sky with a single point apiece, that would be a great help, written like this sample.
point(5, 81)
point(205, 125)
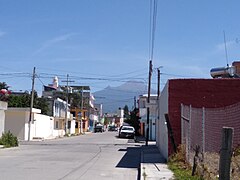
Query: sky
point(103, 43)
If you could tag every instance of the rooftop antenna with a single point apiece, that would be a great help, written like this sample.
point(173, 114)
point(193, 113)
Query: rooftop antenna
point(226, 54)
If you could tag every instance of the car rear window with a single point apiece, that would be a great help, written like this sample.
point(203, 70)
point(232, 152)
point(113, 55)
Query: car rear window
point(127, 128)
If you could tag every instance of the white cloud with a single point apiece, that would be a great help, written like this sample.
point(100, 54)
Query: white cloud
point(53, 41)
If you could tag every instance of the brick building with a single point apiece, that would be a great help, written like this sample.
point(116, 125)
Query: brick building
point(209, 93)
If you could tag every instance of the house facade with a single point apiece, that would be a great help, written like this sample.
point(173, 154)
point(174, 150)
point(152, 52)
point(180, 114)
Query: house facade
point(153, 115)
point(58, 108)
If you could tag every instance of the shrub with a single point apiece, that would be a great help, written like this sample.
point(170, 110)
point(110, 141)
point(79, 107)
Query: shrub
point(8, 140)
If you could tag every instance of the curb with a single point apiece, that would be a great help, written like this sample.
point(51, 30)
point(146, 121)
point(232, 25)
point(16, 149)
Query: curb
point(153, 166)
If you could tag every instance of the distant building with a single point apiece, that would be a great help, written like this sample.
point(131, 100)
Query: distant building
point(120, 114)
point(153, 114)
point(57, 107)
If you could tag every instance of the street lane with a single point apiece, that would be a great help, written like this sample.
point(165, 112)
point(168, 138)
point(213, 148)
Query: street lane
point(91, 156)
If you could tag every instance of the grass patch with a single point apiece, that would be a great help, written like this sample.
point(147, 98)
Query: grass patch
point(180, 168)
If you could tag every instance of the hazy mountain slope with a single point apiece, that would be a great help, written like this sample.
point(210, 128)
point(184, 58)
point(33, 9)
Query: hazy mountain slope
point(114, 97)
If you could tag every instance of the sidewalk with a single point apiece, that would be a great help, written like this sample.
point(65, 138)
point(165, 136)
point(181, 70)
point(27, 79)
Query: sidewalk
point(153, 165)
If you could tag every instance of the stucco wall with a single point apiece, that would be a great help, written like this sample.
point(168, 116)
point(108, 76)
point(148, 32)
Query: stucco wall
point(15, 122)
point(3, 107)
point(43, 126)
point(162, 132)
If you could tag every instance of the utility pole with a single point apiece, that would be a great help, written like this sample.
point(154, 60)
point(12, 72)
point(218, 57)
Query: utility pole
point(135, 102)
point(158, 101)
point(31, 105)
point(148, 99)
point(81, 130)
point(158, 87)
point(66, 110)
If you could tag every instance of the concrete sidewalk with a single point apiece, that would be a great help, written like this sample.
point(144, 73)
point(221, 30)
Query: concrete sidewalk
point(153, 165)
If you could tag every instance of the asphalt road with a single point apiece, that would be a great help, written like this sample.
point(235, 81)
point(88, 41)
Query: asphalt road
point(97, 156)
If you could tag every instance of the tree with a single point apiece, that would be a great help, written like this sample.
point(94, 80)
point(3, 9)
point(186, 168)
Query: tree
point(42, 103)
point(4, 94)
point(133, 120)
point(4, 85)
point(126, 112)
point(25, 101)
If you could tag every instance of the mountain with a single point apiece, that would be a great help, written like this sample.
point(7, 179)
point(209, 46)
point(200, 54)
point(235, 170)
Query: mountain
point(114, 97)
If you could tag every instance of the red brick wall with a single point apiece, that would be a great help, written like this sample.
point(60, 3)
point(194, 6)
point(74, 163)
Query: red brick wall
point(198, 93)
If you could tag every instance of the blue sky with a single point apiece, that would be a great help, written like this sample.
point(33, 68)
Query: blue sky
point(109, 39)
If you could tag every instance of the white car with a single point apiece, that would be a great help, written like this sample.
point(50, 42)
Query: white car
point(126, 131)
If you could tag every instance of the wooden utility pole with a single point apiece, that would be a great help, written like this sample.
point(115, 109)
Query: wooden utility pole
point(158, 83)
point(225, 153)
point(66, 119)
point(66, 110)
point(135, 102)
point(148, 99)
point(81, 125)
point(31, 105)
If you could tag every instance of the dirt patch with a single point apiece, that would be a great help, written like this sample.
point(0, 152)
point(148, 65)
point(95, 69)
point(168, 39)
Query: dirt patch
point(208, 167)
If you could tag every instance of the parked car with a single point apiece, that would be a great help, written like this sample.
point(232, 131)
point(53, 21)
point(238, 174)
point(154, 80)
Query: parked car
point(126, 131)
point(98, 128)
point(112, 128)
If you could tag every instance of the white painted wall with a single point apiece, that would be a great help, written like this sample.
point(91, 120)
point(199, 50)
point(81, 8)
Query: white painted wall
point(120, 114)
point(162, 132)
point(153, 114)
point(72, 130)
point(3, 107)
point(42, 126)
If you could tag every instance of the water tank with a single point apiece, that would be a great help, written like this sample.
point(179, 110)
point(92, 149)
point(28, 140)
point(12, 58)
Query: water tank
point(223, 72)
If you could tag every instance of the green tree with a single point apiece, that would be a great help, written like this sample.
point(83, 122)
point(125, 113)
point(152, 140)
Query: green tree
point(75, 99)
point(126, 112)
point(25, 101)
point(42, 103)
point(3, 85)
point(133, 120)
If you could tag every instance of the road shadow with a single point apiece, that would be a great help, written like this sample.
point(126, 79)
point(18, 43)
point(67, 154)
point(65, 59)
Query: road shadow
point(131, 158)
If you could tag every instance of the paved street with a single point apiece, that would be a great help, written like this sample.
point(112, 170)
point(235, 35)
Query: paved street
point(92, 156)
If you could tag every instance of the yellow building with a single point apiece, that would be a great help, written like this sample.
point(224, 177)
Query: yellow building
point(82, 121)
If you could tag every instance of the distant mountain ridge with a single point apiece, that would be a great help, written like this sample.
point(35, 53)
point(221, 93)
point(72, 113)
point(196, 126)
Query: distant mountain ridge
point(114, 97)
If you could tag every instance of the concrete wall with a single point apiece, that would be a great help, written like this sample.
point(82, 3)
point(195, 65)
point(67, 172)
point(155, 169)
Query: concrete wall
point(161, 129)
point(3, 107)
point(15, 123)
point(42, 126)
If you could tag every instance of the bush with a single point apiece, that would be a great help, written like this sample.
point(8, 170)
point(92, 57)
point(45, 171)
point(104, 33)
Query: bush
point(8, 140)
